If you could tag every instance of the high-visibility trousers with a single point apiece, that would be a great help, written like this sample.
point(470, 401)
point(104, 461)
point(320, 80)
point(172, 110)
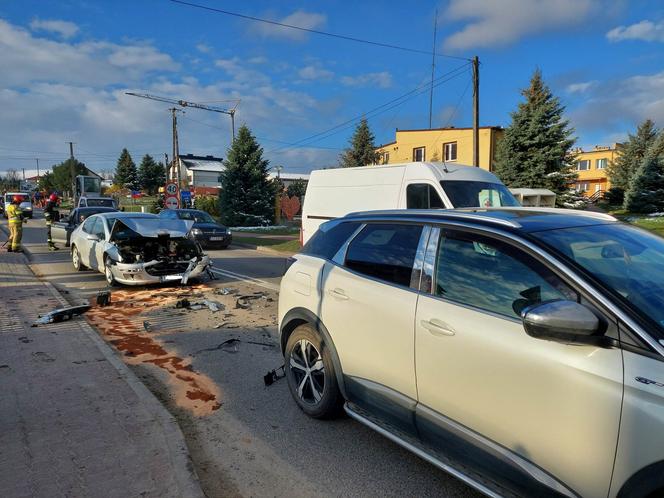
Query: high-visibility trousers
point(49, 238)
point(15, 235)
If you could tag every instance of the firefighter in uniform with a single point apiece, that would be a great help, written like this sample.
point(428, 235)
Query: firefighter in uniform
point(51, 214)
point(15, 217)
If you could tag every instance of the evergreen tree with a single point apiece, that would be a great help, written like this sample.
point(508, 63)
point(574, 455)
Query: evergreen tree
point(126, 175)
point(631, 155)
point(151, 175)
point(247, 195)
point(646, 189)
point(536, 151)
point(362, 150)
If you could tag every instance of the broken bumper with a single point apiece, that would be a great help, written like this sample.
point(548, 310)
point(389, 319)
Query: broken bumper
point(139, 273)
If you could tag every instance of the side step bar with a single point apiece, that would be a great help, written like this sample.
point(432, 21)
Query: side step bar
point(357, 414)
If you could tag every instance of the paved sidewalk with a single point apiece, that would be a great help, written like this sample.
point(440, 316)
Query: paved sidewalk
point(74, 420)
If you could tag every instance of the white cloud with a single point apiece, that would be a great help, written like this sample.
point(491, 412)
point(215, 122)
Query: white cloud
point(502, 22)
point(644, 30)
point(315, 72)
point(257, 60)
point(300, 18)
point(618, 106)
point(65, 29)
point(382, 79)
point(38, 59)
point(580, 87)
point(203, 48)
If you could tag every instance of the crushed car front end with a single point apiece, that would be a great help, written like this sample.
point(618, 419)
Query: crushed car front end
point(143, 253)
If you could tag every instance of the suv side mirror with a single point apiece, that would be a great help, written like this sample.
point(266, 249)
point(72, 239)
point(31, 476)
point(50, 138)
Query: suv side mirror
point(563, 321)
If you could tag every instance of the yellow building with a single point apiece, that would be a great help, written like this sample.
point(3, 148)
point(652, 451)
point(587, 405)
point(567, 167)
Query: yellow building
point(591, 168)
point(438, 144)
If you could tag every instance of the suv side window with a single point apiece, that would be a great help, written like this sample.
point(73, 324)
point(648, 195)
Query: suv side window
point(329, 238)
point(422, 196)
point(385, 251)
point(87, 225)
point(494, 276)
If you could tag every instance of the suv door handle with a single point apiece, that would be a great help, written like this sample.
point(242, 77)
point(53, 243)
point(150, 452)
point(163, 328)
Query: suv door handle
point(437, 327)
point(339, 294)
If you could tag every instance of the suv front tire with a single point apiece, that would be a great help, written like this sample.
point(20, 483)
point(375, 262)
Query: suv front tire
point(310, 374)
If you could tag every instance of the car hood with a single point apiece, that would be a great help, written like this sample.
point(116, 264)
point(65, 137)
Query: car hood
point(152, 227)
point(209, 226)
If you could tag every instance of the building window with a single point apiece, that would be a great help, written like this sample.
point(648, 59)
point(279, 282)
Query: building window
point(601, 163)
point(583, 165)
point(385, 159)
point(450, 151)
point(598, 187)
point(418, 154)
point(582, 187)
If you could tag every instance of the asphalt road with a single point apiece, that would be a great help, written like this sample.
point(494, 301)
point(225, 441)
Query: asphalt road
point(258, 443)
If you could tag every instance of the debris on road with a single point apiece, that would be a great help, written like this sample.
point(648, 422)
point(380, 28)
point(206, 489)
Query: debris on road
point(61, 315)
point(103, 298)
point(225, 291)
point(147, 326)
point(214, 306)
point(183, 303)
point(243, 302)
point(272, 376)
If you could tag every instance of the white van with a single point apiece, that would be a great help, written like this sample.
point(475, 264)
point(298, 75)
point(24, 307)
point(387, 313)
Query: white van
point(332, 193)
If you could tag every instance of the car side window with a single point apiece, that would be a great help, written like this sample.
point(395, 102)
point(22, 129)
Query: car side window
point(98, 229)
point(87, 225)
point(385, 251)
point(422, 196)
point(492, 275)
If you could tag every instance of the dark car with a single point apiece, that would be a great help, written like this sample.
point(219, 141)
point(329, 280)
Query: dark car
point(61, 230)
point(206, 231)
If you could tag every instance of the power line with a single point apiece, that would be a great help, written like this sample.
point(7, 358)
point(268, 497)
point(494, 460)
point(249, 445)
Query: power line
point(422, 88)
point(318, 32)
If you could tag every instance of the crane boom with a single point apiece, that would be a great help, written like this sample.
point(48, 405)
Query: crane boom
point(183, 103)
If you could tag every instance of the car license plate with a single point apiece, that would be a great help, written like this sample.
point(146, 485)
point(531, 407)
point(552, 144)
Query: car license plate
point(216, 238)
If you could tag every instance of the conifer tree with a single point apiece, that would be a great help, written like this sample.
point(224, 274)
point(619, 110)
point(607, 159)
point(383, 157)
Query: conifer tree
point(126, 175)
point(151, 174)
point(631, 155)
point(362, 150)
point(646, 188)
point(247, 195)
point(536, 150)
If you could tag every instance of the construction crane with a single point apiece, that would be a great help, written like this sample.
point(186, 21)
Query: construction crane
point(184, 103)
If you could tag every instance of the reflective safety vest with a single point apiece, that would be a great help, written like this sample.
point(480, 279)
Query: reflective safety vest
point(14, 214)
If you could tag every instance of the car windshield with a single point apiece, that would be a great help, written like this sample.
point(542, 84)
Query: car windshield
point(196, 216)
point(100, 202)
point(626, 259)
point(465, 194)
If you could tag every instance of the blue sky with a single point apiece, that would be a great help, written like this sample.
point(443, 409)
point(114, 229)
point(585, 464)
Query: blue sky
point(67, 64)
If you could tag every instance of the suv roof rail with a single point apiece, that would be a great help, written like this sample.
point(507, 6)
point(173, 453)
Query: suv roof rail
point(573, 212)
point(448, 213)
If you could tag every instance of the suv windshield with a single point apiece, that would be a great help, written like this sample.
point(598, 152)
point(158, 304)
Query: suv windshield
point(465, 194)
point(196, 216)
point(627, 260)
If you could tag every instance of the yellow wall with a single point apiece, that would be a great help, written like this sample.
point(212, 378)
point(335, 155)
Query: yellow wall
point(594, 176)
point(401, 151)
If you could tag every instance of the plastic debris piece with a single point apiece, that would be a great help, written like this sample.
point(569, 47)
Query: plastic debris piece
point(103, 298)
point(183, 303)
point(226, 291)
point(214, 306)
point(61, 314)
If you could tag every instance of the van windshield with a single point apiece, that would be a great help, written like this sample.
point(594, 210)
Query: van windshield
point(463, 194)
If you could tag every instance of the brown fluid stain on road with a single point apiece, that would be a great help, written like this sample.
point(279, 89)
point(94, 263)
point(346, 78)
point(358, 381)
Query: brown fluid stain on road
point(119, 324)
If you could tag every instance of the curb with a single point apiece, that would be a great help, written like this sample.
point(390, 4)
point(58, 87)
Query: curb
point(185, 474)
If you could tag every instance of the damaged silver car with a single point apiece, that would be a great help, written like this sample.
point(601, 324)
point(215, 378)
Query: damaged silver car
point(137, 249)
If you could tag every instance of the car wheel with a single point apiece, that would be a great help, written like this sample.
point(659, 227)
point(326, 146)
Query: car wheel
point(76, 259)
point(310, 374)
point(110, 279)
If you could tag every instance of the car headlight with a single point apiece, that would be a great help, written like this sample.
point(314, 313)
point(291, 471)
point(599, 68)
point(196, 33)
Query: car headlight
point(196, 232)
point(228, 231)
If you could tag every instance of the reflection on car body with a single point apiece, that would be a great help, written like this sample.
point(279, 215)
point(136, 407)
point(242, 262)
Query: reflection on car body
point(138, 249)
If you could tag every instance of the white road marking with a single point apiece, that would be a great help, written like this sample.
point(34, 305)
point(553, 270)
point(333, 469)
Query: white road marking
point(246, 278)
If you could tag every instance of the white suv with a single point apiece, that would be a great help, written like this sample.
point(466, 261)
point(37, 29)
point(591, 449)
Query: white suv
point(521, 350)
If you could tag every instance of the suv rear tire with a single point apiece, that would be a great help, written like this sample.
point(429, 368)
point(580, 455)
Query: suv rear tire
point(310, 374)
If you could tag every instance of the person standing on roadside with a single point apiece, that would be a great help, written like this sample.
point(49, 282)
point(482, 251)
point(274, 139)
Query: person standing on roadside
point(15, 217)
point(51, 214)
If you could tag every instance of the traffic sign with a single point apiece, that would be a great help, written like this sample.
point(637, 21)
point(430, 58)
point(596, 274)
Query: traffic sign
point(171, 203)
point(172, 189)
point(185, 195)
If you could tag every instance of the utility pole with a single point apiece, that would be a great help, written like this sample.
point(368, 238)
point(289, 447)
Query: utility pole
point(433, 67)
point(37, 159)
point(72, 169)
point(176, 151)
point(476, 112)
